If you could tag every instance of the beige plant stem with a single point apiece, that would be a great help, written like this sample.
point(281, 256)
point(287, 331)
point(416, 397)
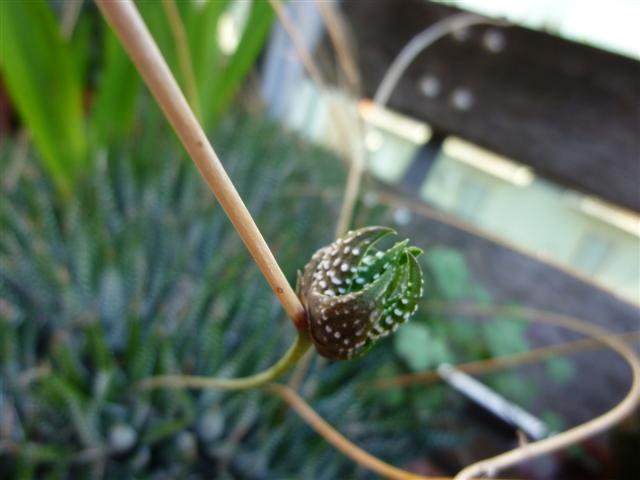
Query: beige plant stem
point(576, 434)
point(337, 31)
point(524, 452)
point(480, 367)
point(184, 56)
point(301, 370)
point(125, 19)
point(424, 210)
point(418, 44)
point(343, 126)
point(354, 180)
point(388, 84)
point(339, 441)
point(298, 43)
point(339, 39)
point(336, 439)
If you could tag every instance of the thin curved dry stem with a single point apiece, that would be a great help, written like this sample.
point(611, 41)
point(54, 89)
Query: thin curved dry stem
point(184, 56)
point(480, 367)
point(414, 47)
point(390, 80)
point(130, 28)
point(427, 211)
point(299, 347)
point(525, 451)
point(339, 40)
point(576, 434)
point(298, 43)
point(344, 125)
point(354, 180)
point(338, 35)
point(424, 210)
point(338, 440)
point(418, 44)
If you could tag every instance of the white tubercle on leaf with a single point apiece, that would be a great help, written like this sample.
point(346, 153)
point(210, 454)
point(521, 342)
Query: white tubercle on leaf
point(373, 291)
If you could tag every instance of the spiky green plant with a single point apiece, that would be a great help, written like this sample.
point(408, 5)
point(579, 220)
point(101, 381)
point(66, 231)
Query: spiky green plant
point(142, 275)
point(103, 293)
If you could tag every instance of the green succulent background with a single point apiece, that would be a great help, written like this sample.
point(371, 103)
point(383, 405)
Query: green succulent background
point(141, 274)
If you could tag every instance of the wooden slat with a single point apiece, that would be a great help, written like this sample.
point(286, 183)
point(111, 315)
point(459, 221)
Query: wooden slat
point(570, 111)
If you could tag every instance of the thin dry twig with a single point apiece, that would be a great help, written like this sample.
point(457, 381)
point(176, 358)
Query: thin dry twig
point(301, 369)
point(338, 36)
point(133, 33)
point(390, 80)
point(354, 180)
point(388, 84)
point(298, 43)
point(344, 126)
point(338, 440)
point(356, 147)
point(337, 31)
point(427, 211)
point(520, 454)
point(576, 434)
point(339, 39)
point(418, 44)
point(479, 367)
point(184, 56)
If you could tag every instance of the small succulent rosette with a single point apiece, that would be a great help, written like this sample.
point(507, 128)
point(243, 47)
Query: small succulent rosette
point(355, 294)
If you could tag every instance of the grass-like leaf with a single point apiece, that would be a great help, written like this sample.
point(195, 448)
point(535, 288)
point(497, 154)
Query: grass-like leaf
point(43, 81)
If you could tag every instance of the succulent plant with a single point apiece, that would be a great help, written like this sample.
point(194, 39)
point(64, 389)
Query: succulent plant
point(97, 295)
point(100, 293)
point(355, 294)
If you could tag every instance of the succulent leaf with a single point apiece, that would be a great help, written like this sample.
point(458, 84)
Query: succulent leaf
point(355, 294)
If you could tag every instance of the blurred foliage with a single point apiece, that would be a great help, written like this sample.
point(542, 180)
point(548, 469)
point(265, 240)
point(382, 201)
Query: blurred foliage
point(37, 63)
point(560, 369)
point(77, 95)
point(139, 275)
point(420, 349)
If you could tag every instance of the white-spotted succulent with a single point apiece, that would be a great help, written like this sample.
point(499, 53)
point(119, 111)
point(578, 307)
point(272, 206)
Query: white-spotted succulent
point(355, 294)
